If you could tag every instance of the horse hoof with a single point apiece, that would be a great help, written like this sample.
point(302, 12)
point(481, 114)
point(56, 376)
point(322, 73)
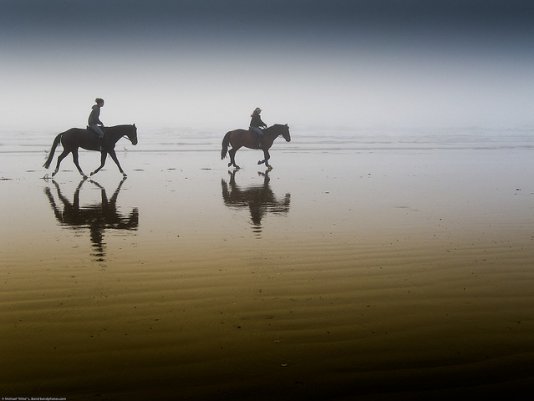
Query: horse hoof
point(229, 164)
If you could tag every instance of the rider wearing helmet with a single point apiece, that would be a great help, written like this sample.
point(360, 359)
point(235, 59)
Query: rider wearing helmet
point(94, 119)
point(256, 123)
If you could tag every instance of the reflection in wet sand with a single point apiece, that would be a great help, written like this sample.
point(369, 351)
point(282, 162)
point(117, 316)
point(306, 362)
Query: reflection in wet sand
point(260, 200)
point(96, 217)
point(398, 275)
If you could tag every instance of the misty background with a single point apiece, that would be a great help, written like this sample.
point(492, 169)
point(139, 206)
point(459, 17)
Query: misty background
point(208, 64)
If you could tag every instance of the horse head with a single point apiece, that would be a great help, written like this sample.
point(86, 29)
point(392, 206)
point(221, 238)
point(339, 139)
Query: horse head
point(132, 134)
point(285, 132)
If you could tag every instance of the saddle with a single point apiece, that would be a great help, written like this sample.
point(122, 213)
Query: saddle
point(258, 132)
point(92, 131)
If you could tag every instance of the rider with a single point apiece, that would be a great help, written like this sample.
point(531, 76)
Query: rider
point(256, 123)
point(94, 120)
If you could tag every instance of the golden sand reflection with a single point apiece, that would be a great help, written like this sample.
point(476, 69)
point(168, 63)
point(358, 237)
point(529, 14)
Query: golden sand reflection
point(405, 279)
point(96, 218)
point(260, 200)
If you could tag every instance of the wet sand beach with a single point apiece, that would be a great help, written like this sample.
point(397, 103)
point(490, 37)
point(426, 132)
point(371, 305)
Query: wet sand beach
point(369, 267)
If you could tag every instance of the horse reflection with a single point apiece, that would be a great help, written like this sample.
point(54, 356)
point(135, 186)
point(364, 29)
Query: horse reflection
point(260, 200)
point(96, 217)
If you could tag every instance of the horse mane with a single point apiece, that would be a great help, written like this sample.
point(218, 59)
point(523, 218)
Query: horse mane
point(273, 127)
point(121, 126)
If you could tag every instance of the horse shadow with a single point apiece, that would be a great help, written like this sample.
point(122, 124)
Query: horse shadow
point(97, 218)
point(259, 199)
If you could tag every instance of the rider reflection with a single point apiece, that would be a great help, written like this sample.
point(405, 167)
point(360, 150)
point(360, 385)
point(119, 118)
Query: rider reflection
point(260, 200)
point(97, 218)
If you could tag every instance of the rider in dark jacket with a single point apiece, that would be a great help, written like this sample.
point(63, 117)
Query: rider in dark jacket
point(94, 119)
point(256, 123)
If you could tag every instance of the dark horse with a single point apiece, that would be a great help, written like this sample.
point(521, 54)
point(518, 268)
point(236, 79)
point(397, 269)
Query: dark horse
point(75, 138)
point(243, 137)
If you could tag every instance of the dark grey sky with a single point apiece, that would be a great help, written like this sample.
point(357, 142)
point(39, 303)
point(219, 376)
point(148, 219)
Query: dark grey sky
point(349, 62)
point(273, 18)
point(481, 10)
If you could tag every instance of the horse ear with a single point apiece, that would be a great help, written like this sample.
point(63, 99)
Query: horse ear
point(134, 126)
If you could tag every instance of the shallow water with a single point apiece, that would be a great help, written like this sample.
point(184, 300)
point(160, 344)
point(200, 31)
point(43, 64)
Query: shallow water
point(377, 267)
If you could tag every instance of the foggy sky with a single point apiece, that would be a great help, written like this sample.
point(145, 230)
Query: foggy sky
point(209, 63)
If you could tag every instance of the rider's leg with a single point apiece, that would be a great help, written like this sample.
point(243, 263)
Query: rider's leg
point(259, 134)
point(100, 133)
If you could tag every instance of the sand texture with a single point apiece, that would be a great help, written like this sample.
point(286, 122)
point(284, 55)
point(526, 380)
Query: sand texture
point(358, 268)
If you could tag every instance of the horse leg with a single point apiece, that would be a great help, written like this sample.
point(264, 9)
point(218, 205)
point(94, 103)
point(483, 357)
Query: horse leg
point(267, 156)
point(76, 163)
point(60, 159)
point(76, 199)
point(103, 156)
point(114, 157)
point(232, 152)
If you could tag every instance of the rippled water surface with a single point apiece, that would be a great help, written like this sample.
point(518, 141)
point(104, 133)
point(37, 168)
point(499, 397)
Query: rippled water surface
point(363, 266)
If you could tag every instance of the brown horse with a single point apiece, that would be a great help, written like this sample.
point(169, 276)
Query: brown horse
point(75, 138)
point(243, 137)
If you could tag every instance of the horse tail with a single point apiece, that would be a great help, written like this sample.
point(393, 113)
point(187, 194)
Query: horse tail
point(51, 154)
point(225, 143)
